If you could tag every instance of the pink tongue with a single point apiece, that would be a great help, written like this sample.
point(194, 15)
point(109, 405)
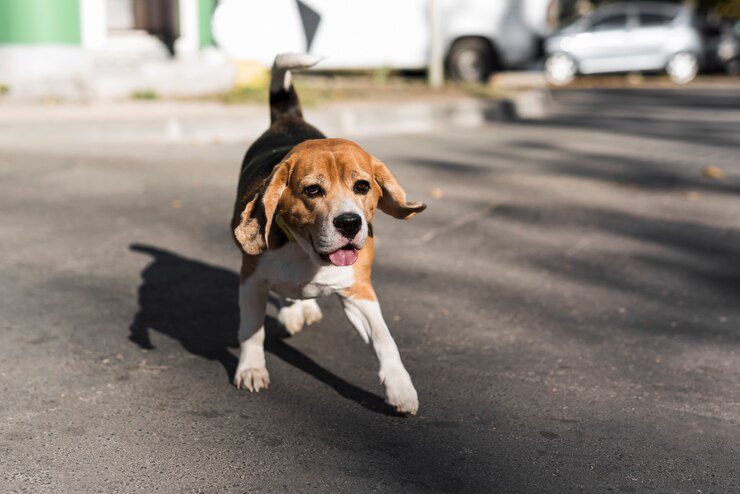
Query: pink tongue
point(343, 257)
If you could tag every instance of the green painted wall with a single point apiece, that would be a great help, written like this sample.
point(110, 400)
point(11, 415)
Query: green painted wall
point(40, 21)
point(205, 14)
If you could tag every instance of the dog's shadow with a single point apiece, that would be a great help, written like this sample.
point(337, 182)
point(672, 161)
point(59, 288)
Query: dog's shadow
point(196, 304)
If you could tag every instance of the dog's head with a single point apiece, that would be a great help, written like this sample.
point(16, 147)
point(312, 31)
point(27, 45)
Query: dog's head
point(325, 192)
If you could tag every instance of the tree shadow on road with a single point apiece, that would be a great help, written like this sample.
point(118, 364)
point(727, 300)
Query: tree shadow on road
point(646, 174)
point(659, 114)
point(195, 303)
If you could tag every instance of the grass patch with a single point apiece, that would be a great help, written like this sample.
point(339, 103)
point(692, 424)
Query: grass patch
point(146, 94)
point(379, 85)
point(381, 76)
point(309, 94)
point(245, 95)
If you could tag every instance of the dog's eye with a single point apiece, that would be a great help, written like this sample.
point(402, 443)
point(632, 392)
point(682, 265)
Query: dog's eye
point(313, 190)
point(361, 187)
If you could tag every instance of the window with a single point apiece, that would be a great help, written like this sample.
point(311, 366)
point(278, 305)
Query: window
point(654, 20)
point(611, 23)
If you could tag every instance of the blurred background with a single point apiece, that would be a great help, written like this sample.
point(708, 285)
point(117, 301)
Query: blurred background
point(83, 49)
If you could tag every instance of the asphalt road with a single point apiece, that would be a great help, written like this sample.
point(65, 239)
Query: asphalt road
point(568, 307)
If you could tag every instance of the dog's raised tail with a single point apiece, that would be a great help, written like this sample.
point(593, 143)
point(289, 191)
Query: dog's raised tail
point(283, 98)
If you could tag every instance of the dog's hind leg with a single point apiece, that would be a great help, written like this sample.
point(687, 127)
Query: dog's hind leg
point(251, 373)
point(295, 313)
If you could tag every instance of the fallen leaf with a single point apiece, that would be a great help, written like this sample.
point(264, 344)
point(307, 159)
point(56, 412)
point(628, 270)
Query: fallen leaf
point(713, 172)
point(437, 193)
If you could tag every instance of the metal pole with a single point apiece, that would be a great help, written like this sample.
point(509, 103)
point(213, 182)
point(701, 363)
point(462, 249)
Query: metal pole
point(435, 71)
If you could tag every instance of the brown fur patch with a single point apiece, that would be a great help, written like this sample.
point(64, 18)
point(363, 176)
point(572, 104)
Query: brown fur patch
point(362, 287)
point(253, 230)
point(393, 199)
point(247, 232)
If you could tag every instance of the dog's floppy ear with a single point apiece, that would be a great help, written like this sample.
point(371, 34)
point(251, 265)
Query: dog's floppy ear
point(253, 230)
point(393, 198)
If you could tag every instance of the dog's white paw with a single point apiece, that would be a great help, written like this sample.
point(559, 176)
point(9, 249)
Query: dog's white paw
point(253, 379)
point(292, 318)
point(301, 312)
point(311, 311)
point(399, 391)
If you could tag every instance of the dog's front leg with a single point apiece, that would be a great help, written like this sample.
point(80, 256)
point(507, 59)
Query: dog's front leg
point(251, 372)
point(365, 315)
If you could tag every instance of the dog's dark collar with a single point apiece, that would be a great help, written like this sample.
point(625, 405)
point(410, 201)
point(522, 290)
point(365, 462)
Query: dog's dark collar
point(281, 224)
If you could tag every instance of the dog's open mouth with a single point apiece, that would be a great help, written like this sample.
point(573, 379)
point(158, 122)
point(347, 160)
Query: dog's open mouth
point(346, 256)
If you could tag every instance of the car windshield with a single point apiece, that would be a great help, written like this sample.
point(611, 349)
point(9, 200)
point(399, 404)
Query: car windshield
point(653, 19)
point(610, 23)
point(574, 26)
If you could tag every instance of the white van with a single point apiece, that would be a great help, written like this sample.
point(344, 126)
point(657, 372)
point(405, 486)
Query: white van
point(477, 36)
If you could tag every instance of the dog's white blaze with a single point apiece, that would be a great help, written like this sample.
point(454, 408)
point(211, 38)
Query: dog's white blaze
point(349, 205)
point(327, 238)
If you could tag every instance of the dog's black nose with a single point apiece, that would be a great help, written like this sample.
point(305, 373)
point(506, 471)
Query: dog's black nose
point(348, 224)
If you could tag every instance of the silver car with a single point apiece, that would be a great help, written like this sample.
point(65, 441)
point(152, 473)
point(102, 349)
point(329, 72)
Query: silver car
point(627, 37)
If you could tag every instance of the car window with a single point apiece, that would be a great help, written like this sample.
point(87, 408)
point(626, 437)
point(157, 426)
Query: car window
point(653, 20)
point(610, 23)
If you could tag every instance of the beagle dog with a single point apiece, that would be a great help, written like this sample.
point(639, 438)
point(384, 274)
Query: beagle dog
point(303, 222)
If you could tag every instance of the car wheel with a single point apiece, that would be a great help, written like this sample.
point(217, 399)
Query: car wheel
point(471, 60)
point(682, 67)
point(560, 69)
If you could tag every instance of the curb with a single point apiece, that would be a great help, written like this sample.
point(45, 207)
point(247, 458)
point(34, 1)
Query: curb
point(206, 122)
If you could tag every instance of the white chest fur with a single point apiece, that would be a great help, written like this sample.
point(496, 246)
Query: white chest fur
point(290, 272)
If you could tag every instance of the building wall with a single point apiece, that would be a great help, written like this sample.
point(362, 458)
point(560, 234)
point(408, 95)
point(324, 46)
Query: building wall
point(205, 14)
point(65, 49)
point(40, 21)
